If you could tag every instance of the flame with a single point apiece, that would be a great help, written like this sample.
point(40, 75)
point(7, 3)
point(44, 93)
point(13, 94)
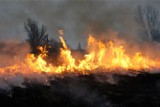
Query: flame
point(100, 55)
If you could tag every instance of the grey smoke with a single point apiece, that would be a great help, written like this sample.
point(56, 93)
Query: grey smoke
point(78, 18)
point(12, 53)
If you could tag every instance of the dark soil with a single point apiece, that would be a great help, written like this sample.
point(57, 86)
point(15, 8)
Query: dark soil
point(101, 90)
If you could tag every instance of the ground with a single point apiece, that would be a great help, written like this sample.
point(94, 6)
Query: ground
point(94, 90)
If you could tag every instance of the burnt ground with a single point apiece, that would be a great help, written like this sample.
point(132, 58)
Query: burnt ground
point(88, 91)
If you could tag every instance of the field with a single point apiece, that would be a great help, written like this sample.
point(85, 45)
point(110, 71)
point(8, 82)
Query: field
point(100, 90)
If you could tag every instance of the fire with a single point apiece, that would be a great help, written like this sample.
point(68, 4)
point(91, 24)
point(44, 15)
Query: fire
point(100, 55)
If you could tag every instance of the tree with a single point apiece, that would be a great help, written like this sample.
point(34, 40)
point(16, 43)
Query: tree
point(149, 23)
point(36, 36)
point(79, 47)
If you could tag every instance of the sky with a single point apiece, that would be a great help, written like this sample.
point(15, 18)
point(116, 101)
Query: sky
point(78, 18)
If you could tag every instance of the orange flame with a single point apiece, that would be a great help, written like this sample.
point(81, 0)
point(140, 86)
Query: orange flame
point(100, 55)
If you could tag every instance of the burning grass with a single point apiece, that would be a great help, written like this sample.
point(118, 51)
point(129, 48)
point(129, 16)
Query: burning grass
point(100, 57)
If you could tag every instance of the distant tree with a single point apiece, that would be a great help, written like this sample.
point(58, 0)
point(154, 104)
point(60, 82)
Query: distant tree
point(36, 36)
point(79, 47)
point(149, 23)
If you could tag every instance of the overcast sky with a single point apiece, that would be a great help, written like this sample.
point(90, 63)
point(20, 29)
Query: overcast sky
point(78, 18)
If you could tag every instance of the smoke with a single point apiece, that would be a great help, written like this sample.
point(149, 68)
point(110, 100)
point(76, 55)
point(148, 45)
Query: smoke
point(12, 52)
point(7, 81)
point(104, 19)
point(77, 18)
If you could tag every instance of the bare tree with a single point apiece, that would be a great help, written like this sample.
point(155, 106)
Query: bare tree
point(149, 23)
point(36, 36)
